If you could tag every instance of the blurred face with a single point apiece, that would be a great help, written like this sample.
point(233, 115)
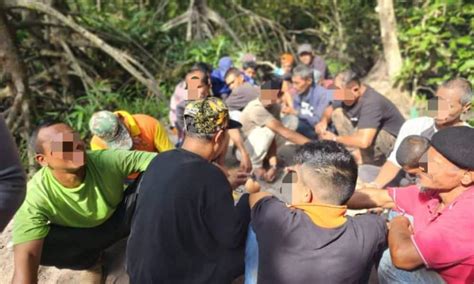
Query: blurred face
point(270, 97)
point(300, 84)
point(441, 174)
point(446, 108)
point(63, 150)
point(286, 67)
point(347, 94)
point(234, 81)
point(305, 58)
point(197, 89)
point(250, 72)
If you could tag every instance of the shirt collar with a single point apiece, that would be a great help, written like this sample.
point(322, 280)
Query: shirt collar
point(324, 215)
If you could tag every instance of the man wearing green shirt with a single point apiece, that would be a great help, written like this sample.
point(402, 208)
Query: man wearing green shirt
point(75, 206)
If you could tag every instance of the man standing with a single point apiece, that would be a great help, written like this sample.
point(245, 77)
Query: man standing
point(75, 206)
point(186, 228)
point(313, 241)
point(437, 246)
point(311, 101)
point(453, 99)
point(260, 124)
point(366, 120)
point(121, 130)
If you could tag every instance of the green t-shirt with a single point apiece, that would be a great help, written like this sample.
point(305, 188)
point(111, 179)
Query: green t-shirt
point(86, 206)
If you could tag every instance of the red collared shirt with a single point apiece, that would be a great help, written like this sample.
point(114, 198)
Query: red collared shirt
point(444, 238)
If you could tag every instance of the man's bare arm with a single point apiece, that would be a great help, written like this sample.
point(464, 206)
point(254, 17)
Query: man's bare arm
point(402, 249)
point(370, 198)
point(256, 197)
point(27, 259)
point(286, 133)
point(387, 173)
point(236, 137)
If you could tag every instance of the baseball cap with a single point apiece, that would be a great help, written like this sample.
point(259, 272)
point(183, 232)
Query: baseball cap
point(305, 47)
point(208, 116)
point(108, 127)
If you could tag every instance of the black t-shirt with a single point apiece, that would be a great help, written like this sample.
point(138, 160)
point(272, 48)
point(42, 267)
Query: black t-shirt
point(186, 228)
point(373, 110)
point(292, 249)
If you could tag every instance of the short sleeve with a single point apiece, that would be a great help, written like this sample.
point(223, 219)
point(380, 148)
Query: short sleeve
point(161, 140)
point(447, 241)
point(261, 116)
point(406, 198)
point(29, 224)
point(371, 115)
point(123, 161)
point(269, 216)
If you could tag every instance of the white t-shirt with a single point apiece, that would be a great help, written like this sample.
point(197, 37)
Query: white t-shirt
point(414, 126)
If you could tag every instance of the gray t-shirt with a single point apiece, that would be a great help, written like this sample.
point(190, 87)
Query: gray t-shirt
point(241, 96)
point(292, 249)
point(373, 110)
point(12, 176)
point(256, 115)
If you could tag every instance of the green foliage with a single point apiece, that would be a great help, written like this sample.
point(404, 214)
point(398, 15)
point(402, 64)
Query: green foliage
point(436, 41)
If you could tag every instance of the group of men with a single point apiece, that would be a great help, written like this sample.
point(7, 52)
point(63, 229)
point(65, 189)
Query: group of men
point(176, 206)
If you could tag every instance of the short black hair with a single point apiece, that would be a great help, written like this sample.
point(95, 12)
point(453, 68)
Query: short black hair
point(349, 76)
point(33, 143)
point(232, 71)
point(249, 64)
point(203, 66)
point(411, 150)
point(329, 169)
point(205, 79)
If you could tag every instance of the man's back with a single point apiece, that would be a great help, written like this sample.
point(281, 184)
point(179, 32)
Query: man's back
point(185, 229)
point(293, 249)
point(241, 96)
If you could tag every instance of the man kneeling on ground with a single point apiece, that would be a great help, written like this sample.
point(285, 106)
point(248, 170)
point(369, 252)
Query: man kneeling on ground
point(187, 229)
point(75, 206)
point(312, 241)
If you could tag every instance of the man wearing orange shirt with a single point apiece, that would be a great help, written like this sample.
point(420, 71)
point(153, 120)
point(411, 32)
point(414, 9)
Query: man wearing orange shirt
point(121, 130)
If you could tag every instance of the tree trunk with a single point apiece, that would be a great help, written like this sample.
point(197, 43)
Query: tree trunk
point(388, 28)
point(12, 68)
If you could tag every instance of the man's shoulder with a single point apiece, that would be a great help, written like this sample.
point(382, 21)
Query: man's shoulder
point(142, 119)
point(418, 124)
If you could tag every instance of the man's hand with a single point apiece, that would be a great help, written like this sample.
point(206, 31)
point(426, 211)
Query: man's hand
point(400, 222)
point(320, 127)
point(328, 135)
point(402, 249)
point(237, 178)
point(245, 163)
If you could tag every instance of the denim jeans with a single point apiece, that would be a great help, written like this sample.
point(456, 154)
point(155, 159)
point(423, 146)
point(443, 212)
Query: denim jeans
point(306, 129)
point(388, 273)
point(251, 257)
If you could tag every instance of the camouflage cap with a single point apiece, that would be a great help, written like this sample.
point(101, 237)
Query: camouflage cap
point(208, 116)
point(108, 127)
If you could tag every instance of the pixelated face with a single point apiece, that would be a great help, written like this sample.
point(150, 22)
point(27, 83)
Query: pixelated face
point(445, 107)
point(63, 149)
point(305, 58)
point(292, 183)
point(300, 84)
point(196, 88)
point(440, 174)
point(234, 81)
point(250, 72)
point(270, 97)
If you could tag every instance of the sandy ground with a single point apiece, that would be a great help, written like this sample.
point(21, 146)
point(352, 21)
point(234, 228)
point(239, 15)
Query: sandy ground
point(114, 256)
